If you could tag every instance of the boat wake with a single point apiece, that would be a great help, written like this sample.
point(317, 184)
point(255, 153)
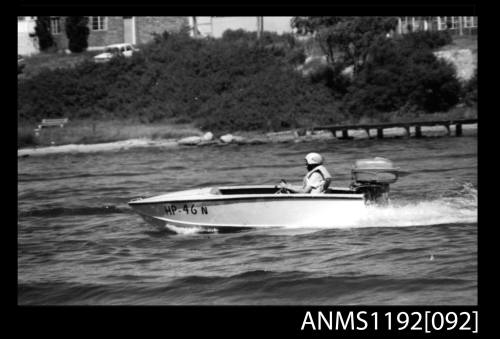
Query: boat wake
point(423, 213)
point(460, 208)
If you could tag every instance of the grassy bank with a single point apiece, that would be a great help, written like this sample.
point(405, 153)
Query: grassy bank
point(93, 132)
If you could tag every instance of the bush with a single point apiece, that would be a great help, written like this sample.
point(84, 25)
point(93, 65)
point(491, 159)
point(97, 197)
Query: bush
point(426, 40)
point(25, 139)
point(183, 79)
point(331, 77)
point(399, 75)
point(239, 35)
point(436, 87)
point(270, 101)
point(469, 92)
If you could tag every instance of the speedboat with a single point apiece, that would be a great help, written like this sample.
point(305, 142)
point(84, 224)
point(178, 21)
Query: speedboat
point(239, 207)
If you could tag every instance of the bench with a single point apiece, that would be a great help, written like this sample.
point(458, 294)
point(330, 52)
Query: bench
point(52, 123)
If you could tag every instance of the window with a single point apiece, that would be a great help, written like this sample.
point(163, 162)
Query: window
point(470, 21)
point(454, 22)
point(443, 22)
point(98, 23)
point(55, 25)
point(467, 22)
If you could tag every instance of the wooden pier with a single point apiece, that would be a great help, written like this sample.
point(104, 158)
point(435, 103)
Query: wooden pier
point(406, 125)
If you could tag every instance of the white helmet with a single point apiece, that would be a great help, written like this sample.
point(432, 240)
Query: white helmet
point(314, 159)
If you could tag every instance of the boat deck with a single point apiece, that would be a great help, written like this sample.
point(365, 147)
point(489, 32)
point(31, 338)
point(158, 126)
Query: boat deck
point(245, 193)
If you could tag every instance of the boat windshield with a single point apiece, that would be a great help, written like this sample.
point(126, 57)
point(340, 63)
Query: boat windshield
point(268, 190)
point(247, 190)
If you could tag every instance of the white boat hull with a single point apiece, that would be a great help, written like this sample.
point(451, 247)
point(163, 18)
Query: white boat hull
point(206, 209)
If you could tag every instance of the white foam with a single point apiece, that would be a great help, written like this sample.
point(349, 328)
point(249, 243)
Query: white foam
point(189, 230)
point(417, 214)
point(461, 208)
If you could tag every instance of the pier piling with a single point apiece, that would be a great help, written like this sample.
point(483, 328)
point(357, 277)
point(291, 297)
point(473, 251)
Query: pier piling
point(418, 132)
point(448, 132)
point(367, 130)
point(407, 129)
point(406, 125)
point(380, 133)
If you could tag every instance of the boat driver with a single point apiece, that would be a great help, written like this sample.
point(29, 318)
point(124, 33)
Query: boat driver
point(316, 180)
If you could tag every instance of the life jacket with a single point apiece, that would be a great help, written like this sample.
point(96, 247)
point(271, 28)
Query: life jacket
point(326, 179)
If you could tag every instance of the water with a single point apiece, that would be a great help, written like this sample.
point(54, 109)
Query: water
point(79, 243)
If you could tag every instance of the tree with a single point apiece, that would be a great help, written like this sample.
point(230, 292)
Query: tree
point(389, 72)
point(42, 32)
point(311, 24)
point(77, 31)
point(403, 75)
point(346, 40)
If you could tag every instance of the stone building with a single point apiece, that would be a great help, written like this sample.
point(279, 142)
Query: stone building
point(458, 25)
point(107, 30)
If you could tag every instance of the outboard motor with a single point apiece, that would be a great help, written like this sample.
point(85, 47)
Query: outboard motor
point(372, 178)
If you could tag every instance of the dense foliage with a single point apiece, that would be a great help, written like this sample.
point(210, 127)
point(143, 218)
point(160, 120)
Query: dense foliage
point(470, 91)
point(240, 82)
point(389, 73)
point(346, 40)
point(427, 40)
point(77, 31)
point(220, 84)
point(402, 74)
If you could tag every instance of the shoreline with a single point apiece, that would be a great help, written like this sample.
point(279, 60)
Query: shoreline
point(228, 139)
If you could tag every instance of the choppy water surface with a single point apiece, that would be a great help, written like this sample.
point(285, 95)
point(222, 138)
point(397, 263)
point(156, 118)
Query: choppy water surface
point(79, 243)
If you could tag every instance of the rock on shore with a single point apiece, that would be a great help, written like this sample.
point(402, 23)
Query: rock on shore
point(229, 138)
